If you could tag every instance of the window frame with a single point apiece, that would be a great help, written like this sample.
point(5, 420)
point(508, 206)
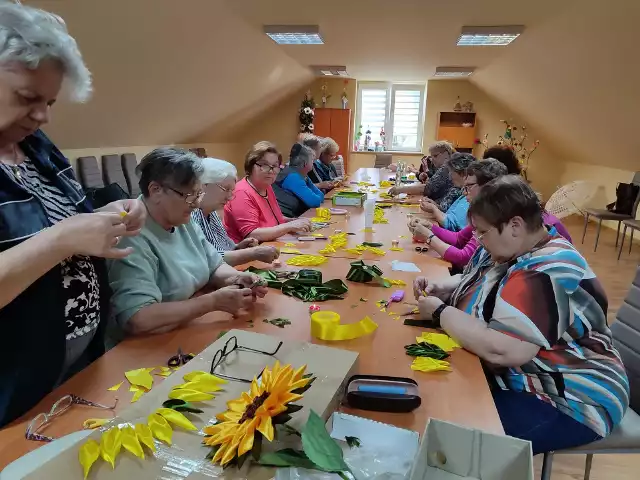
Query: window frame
point(391, 88)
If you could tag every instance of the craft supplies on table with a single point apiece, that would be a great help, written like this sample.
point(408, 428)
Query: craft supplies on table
point(350, 199)
point(326, 325)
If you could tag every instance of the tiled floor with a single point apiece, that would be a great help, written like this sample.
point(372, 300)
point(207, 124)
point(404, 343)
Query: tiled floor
point(616, 276)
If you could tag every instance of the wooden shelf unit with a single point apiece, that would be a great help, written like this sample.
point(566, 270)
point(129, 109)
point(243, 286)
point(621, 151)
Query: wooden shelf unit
point(450, 129)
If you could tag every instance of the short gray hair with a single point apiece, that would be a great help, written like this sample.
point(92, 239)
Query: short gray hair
point(487, 170)
point(303, 155)
point(441, 146)
point(459, 162)
point(170, 166)
point(328, 143)
point(29, 36)
point(217, 171)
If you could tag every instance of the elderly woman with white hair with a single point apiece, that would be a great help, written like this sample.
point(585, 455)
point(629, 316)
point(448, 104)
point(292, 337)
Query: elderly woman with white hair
point(218, 182)
point(324, 173)
point(54, 293)
point(294, 190)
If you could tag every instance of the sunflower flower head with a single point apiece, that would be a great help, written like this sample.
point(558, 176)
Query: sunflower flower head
point(267, 403)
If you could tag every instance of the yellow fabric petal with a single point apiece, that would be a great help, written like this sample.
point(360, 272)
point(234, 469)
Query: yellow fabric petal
point(189, 395)
point(266, 428)
point(200, 386)
point(130, 442)
point(137, 393)
point(140, 377)
point(289, 244)
point(426, 364)
point(143, 432)
point(88, 454)
point(176, 418)
point(445, 342)
point(396, 249)
point(116, 387)
point(110, 444)
point(160, 428)
point(91, 423)
point(291, 251)
point(163, 371)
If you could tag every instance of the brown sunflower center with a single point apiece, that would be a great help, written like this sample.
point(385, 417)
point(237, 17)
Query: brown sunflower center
point(251, 409)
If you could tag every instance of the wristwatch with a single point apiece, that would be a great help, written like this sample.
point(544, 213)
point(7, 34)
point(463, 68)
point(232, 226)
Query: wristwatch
point(436, 314)
point(429, 238)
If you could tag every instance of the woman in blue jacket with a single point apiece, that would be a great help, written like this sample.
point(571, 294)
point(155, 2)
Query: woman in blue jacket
point(294, 190)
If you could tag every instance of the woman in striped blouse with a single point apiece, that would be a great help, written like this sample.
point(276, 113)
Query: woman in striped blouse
point(218, 181)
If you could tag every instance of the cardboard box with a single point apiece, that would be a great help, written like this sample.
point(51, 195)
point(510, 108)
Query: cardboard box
point(186, 457)
point(453, 452)
point(349, 199)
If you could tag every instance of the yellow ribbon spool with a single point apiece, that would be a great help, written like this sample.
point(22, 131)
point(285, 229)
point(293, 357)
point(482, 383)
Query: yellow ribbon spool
point(327, 326)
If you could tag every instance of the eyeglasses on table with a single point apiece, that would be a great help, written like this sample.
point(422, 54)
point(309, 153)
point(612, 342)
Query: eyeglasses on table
point(58, 408)
point(231, 346)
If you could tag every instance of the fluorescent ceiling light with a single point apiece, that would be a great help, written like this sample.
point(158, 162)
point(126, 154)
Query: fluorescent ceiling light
point(489, 36)
point(330, 70)
point(453, 71)
point(294, 34)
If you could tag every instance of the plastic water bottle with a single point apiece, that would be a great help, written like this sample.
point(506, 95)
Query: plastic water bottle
point(369, 209)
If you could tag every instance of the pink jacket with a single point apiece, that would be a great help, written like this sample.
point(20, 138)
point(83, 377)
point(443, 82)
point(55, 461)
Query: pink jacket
point(248, 211)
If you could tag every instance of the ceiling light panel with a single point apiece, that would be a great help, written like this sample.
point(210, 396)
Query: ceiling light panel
point(453, 72)
point(489, 36)
point(330, 70)
point(294, 34)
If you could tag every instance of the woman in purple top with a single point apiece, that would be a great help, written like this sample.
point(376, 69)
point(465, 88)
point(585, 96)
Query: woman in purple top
point(458, 247)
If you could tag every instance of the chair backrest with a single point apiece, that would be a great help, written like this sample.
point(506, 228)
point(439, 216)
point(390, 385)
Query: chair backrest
point(636, 180)
point(626, 337)
point(382, 160)
point(129, 162)
point(89, 173)
point(112, 171)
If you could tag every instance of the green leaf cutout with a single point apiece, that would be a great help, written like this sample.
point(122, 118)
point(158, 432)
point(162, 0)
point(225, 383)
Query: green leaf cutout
point(352, 441)
point(287, 457)
point(256, 450)
point(320, 447)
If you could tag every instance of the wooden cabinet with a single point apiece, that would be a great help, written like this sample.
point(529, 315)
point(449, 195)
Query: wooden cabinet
point(335, 123)
point(458, 128)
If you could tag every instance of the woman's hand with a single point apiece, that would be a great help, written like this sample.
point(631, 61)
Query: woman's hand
point(415, 221)
point(136, 213)
point(232, 299)
point(300, 225)
point(428, 305)
point(423, 177)
point(93, 234)
point(393, 191)
point(266, 253)
point(427, 205)
point(325, 185)
point(249, 280)
point(442, 289)
point(247, 243)
point(420, 232)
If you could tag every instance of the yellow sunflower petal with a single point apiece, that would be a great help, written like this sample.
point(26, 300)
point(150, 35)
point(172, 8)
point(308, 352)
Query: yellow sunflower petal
point(220, 453)
point(299, 373)
point(176, 418)
point(238, 405)
point(246, 443)
point(160, 428)
point(143, 432)
point(230, 454)
point(266, 428)
point(255, 388)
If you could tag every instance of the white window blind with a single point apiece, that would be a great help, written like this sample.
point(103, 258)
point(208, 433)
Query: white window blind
point(399, 108)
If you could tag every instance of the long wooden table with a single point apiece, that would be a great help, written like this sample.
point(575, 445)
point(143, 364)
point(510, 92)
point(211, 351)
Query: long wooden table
point(460, 396)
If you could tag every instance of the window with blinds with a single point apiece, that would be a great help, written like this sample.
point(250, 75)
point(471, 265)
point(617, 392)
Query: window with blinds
point(398, 108)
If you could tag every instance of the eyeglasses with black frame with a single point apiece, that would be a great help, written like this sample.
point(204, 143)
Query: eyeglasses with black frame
point(231, 346)
point(189, 198)
point(266, 168)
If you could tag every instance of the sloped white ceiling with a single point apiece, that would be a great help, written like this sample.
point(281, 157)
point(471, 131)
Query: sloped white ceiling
point(167, 71)
point(576, 79)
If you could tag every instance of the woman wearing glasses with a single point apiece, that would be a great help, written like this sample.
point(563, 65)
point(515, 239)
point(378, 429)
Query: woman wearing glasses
point(457, 248)
point(294, 190)
point(154, 288)
point(254, 211)
point(531, 308)
point(218, 183)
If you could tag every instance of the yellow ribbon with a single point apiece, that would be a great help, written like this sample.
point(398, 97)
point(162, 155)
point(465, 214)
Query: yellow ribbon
point(322, 215)
point(426, 364)
point(326, 326)
point(306, 260)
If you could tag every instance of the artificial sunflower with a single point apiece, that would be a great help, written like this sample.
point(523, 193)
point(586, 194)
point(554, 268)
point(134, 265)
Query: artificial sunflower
point(254, 414)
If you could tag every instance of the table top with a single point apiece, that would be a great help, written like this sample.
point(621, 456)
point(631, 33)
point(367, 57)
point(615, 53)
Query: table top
point(461, 396)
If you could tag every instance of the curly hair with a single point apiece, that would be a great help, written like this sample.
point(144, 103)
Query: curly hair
point(505, 155)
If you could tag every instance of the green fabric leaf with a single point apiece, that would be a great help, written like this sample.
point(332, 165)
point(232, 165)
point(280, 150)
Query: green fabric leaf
point(287, 457)
point(281, 418)
point(270, 276)
point(372, 244)
point(320, 447)
point(362, 273)
point(181, 406)
point(425, 349)
point(241, 459)
point(301, 390)
point(256, 450)
point(331, 290)
point(293, 408)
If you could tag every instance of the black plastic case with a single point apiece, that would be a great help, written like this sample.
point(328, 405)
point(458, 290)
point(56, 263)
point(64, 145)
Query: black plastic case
point(392, 401)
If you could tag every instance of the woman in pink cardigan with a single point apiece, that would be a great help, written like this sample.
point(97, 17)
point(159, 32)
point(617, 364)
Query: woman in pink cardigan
point(254, 210)
point(457, 248)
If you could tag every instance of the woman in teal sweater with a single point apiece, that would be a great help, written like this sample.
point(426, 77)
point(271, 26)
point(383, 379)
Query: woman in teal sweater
point(294, 190)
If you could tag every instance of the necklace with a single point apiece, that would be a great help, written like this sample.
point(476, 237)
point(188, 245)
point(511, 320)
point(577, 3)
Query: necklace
point(265, 195)
point(13, 167)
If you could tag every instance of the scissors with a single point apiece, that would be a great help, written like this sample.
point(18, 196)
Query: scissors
point(180, 358)
point(422, 249)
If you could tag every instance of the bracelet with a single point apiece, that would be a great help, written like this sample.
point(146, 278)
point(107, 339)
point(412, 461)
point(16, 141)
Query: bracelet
point(429, 238)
